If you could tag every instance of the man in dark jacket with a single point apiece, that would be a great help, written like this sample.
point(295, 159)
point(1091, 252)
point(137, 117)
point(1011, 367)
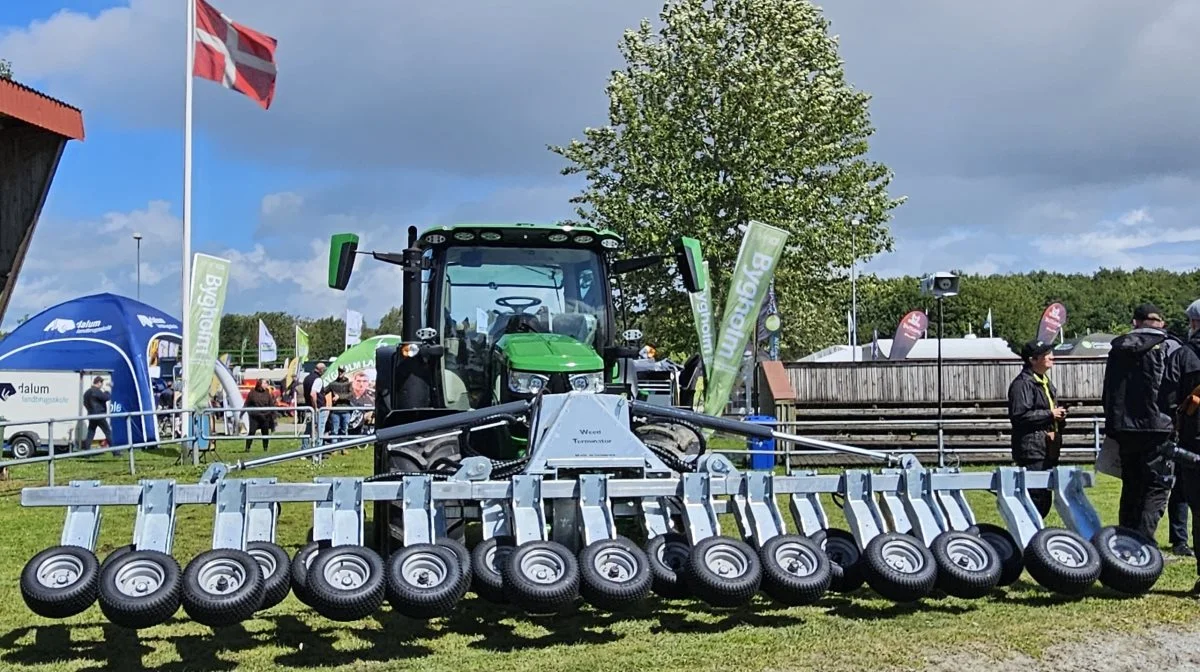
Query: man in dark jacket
point(1036, 417)
point(1187, 481)
point(1142, 388)
point(95, 402)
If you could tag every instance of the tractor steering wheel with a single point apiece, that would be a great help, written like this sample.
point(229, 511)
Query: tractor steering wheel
point(518, 304)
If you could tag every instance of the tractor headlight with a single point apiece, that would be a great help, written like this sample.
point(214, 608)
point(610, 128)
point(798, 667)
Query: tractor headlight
point(588, 382)
point(526, 383)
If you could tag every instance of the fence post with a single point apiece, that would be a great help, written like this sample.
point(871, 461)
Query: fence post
point(129, 440)
point(1095, 438)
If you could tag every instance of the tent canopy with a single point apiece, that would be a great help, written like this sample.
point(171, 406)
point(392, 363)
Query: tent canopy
point(1092, 345)
point(104, 332)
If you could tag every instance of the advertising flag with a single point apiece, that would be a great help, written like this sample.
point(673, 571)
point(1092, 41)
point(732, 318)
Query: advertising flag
point(911, 327)
point(210, 277)
point(266, 344)
point(354, 321)
point(757, 260)
point(1053, 319)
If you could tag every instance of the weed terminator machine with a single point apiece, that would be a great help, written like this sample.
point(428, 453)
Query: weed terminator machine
point(509, 408)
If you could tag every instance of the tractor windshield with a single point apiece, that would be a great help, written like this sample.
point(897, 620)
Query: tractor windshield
point(488, 292)
point(491, 291)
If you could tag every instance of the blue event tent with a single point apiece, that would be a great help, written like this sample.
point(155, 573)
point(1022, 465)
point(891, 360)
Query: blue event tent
point(133, 340)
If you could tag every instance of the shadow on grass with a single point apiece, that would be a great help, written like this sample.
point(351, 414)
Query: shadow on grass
point(118, 649)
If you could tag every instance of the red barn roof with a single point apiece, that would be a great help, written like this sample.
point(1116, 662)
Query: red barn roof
point(38, 109)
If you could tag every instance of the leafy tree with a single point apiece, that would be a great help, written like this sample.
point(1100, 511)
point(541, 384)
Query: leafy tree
point(735, 111)
point(326, 337)
point(391, 322)
point(5, 69)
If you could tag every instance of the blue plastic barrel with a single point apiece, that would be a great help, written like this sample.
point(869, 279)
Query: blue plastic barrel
point(761, 461)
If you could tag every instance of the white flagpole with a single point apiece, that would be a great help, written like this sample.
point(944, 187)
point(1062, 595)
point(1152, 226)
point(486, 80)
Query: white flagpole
point(185, 273)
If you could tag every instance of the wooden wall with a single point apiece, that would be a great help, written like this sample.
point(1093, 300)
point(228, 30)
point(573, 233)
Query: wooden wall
point(915, 382)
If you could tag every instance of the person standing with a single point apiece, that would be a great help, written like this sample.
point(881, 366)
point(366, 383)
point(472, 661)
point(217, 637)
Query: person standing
point(95, 402)
point(314, 396)
point(1187, 476)
point(261, 421)
point(1036, 417)
point(1142, 388)
point(340, 392)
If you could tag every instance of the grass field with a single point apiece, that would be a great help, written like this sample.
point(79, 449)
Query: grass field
point(851, 632)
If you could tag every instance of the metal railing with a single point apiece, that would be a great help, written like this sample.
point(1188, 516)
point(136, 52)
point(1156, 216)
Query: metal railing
point(53, 455)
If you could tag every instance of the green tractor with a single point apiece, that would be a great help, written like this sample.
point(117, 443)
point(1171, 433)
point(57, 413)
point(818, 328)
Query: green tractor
point(495, 313)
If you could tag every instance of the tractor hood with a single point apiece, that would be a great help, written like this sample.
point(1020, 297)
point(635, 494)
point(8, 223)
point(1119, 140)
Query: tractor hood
point(548, 353)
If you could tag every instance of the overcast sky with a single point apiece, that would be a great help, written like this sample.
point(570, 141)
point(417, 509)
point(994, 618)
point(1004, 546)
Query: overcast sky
point(1026, 135)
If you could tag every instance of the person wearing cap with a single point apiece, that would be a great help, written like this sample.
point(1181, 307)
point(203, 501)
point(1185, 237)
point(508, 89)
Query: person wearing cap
point(1036, 416)
point(1142, 388)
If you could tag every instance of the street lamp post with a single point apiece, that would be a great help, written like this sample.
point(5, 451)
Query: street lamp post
point(940, 286)
point(853, 291)
point(138, 238)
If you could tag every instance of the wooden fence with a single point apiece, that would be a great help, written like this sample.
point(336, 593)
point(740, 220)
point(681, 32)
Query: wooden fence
point(914, 383)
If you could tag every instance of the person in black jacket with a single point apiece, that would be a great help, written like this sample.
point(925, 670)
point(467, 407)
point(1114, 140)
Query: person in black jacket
point(1187, 476)
point(1142, 388)
point(1036, 417)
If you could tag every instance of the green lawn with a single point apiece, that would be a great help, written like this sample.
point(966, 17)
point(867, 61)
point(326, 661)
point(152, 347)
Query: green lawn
point(842, 632)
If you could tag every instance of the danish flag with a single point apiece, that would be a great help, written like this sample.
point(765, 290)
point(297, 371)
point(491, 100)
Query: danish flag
point(233, 55)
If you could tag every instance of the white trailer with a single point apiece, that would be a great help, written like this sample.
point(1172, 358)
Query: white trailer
point(28, 399)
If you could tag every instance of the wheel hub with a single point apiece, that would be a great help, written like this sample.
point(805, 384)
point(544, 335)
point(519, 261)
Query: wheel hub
point(60, 571)
point(795, 559)
point(726, 561)
point(542, 566)
point(968, 554)
point(347, 572)
point(1066, 551)
point(616, 564)
point(902, 557)
point(222, 576)
point(424, 570)
point(140, 577)
point(1129, 550)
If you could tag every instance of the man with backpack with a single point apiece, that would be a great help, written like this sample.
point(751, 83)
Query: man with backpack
point(1143, 382)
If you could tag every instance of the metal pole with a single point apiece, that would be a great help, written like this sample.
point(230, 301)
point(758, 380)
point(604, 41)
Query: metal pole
point(138, 238)
point(941, 450)
point(185, 279)
point(853, 291)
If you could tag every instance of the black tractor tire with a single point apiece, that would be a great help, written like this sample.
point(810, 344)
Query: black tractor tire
point(669, 557)
point(140, 589)
point(724, 572)
point(1062, 561)
point(440, 455)
point(1129, 563)
point(967, 566)
point(424, 580)
point(276, 569)
point(222, 587)
point(116, 553)
point(61, 581)
point(845, 559)
point(464, 562)
point(300, 565)
point(541, 577)
point(614, 574)
point(899, 567)
point(680, 440)
point(487, 563)
point(795, 570)
point(346, 583)
point(1012, 559)
point(22, 447)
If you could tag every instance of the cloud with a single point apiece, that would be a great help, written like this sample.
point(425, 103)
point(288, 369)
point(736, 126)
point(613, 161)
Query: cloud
point(1026, 135)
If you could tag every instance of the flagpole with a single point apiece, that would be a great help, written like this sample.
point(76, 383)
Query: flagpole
point(185, 273)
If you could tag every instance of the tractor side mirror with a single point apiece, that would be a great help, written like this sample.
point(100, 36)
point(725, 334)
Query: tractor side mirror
point(690, 261)
point(343, 247)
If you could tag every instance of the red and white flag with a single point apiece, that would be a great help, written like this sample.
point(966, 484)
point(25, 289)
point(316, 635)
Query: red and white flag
point(233, 55)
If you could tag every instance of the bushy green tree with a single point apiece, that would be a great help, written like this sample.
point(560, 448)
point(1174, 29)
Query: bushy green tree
point(736, 110)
